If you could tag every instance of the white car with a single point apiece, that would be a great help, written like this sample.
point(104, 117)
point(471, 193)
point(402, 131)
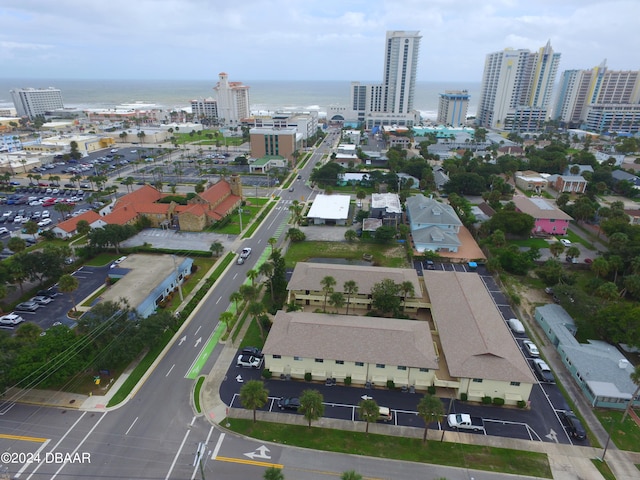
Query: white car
point(245, 252)
point(45, 214)
point(41, 300)
point(4, 230)
point(11, 319)
point(516, 325)
point(565, 242)
point(44, 222)
point(531, 348)
point(248, 361)
point(18, 219)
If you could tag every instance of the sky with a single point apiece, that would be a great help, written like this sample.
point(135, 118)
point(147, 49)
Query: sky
point(302, 39)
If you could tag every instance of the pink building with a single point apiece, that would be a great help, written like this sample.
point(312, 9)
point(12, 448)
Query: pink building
point(549, 219)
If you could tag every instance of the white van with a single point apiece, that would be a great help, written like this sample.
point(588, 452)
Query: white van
point(515, 325)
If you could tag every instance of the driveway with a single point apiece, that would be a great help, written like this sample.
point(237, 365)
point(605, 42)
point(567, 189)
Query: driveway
point(332, 233)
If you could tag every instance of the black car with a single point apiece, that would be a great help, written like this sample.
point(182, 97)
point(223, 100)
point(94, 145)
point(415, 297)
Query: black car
point(430, 265)
point(254, 351)
point(289, 403)
point(572, 424)
point(51, 293)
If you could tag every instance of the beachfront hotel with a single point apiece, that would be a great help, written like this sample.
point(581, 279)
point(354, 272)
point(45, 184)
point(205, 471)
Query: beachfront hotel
point(31, 102)
point(516, 90)
point(453, 107)
point(233, 100)
point(390, 102)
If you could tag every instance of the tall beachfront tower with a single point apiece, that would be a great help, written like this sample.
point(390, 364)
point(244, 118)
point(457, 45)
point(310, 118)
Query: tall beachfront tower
point(453, 107)
point(391, 102)
point(31, 102)
point(516, 90)
point(233, 100)
point(587, 98)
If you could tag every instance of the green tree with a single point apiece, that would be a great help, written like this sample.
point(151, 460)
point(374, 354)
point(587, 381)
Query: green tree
point(350, 287)
point(31, 228)
point(217, 248)
point(556, 249)
point(430, 408)
point(267, 270)
point(336, 299)
point(16, 244)
point(272, 243)
point(350, 235)
point(311, 405)
point(252, 274)
point(385, 297)
point(69, 284)
point(256, 309)
point(83, 227)
point(369, 411)
point(296, 235)
point(635, 378)
point(385, 234)
point(273, 473)
point(327, 283)
point(600, 267)
point(236, 297)
point(254, 395)
point(350, 475)
point(407, 290)
point(63, 209)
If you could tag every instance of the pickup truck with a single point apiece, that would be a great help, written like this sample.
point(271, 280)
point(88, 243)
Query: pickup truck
point(465, 421)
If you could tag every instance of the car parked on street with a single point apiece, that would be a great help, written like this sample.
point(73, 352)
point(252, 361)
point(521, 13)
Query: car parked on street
point(531, 348)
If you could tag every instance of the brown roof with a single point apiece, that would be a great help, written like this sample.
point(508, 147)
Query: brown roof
point(307, 276)
point(145, 194)
point(539, 208)
point(70, 225)
point(476, 341)
point(215, 192)
point(352, 338)
point(121, 216)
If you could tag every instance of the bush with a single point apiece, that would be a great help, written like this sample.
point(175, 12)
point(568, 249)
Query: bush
point(431, 389)
point(266, 374)
point(347, 381)
point(464, 397)
point(498, 401)
point(522, 404)
point(307, 377)
point(390, 384)
point(486, 400)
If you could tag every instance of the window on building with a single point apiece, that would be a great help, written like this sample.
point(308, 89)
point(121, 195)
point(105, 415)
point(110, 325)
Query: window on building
point(319, 360)
point(359, 364)
point(297, 359)
point(277, 356)
point(477, 380)
point(339, 362)
point(515, 384)
point(401, 367)
point(380, 365)
point(423, 370)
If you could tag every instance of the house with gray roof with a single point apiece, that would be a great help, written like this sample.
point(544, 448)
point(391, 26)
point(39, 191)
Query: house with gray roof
point(548, 218)
point(619, 175)
point(440, 177)
point(434, 225)
point(599, 368)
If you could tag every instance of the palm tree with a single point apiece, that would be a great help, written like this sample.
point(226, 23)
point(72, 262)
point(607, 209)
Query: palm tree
point(266, 269)
point(350, 287)
point(256, 309)
point(272, 242)
point(311, 405)
point(407, 289)
point(253, 396)
point(236, 297)
point(327, 287)
point(217, 248)
point(336, 299)
point(350, 475)
point(273, 473)
point(369, 411)
point(429, 408)
point(69, 284)
point(252, 274)
point(635, 378)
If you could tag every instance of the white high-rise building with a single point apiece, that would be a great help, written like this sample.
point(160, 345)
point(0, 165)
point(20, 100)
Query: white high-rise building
point(599, 99)
point(390, 103)
point(453, 107)
point(233, 100)
point(31, 102)
point(517, 86)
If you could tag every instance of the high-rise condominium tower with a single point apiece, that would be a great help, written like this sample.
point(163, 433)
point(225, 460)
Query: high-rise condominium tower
point(599, 99)
point(31, 102)
point(391, 102)
point(453, 107)
point(516, 89)
point(233, 100)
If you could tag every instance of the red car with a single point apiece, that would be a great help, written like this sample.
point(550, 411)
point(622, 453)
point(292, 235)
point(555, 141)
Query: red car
point(43, 184)
point(588, 261)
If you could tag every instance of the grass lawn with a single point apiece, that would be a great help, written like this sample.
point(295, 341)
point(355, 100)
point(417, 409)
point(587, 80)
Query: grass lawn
point(476, 457)
point(531, 242)
point(233, 227)
point(102, 259)
point(392, 255)
point(626, 436)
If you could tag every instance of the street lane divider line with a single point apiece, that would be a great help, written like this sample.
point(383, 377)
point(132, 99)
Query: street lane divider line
point(23, 438)
point(249, 462)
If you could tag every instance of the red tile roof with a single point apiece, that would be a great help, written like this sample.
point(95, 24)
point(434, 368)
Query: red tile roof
point(213, 193)
point(70, 225)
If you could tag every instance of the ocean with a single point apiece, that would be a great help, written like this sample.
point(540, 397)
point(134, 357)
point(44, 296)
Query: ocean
point(265, 96)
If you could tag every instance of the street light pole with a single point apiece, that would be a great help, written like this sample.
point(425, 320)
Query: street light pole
point(240, 215)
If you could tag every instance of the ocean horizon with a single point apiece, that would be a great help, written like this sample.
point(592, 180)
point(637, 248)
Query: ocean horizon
point(265, 96)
